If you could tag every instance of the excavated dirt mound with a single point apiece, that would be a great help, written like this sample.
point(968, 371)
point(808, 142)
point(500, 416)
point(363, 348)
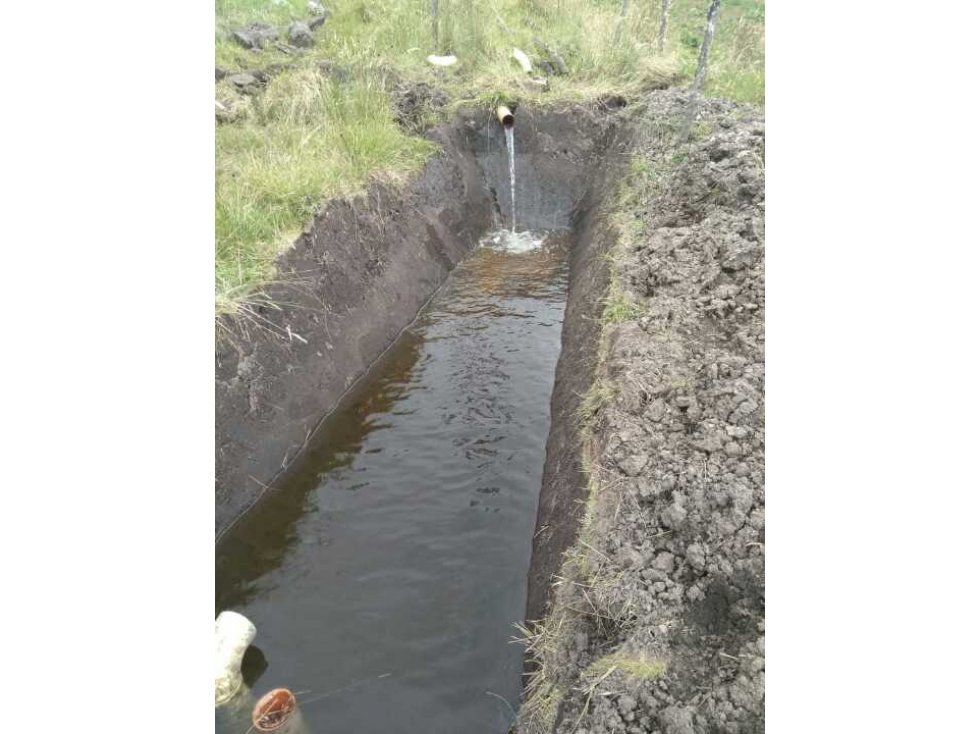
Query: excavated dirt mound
point(656, 623)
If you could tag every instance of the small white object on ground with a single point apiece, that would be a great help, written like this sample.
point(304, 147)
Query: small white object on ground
point(522, 59)
point(233, 633)
point(441, 60)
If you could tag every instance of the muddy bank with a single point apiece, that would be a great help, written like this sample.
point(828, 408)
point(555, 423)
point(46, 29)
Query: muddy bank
point(563, 487)
point(349, 285)
point(362, 271)
point(655, 622)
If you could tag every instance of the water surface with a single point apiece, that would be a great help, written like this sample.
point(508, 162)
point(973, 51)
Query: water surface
point(387, 571)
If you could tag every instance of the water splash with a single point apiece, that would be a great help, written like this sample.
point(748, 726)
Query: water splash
point(511, 151)
point(515, 242)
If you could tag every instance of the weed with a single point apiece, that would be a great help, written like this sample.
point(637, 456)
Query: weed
point(601, 393)
point(639, 667)
point(619, 307)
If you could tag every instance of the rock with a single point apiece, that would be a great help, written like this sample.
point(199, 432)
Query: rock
point(633, 464)
point(317, 22)
point(219, 73)
point(300, 35)
point(244, 82)
point(255, 35)
point(732, 448)
point(315, 8)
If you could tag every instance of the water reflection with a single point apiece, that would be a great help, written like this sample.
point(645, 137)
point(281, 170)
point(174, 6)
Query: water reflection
point(396, 550)
point(261, 540)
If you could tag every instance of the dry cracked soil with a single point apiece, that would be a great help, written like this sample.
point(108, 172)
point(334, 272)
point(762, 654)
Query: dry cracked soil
point(657, 621)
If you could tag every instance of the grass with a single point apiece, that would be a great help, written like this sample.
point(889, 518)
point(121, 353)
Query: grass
point(736, 68)
point(637, 667)
point(310, 137)
point(306, 138)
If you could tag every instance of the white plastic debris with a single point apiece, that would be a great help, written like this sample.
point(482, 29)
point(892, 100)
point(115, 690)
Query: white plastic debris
point(233, 633)
point(441, 60)
point(522, 59)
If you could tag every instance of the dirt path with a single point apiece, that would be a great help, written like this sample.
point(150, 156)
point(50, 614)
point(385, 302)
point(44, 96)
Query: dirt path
point(657, 621)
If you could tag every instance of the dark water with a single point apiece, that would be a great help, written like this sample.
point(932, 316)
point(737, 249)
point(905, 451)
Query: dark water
point(390, 567)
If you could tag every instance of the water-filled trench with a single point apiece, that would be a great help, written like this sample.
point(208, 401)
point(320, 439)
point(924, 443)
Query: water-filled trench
point(387, 571)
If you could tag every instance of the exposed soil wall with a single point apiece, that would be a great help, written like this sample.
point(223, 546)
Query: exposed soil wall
point(350, 284)
point(655, 621)
point(363, 270)
point(563, 489)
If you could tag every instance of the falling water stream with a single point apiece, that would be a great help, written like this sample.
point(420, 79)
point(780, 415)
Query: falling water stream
point(512, 153)
point(386, 572)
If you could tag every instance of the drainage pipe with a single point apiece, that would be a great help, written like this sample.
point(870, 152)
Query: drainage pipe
point(278, 711)
point(233, 633)
point(505, 116)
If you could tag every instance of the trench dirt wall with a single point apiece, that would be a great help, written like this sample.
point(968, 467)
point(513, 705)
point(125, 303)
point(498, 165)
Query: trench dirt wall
point(656, 621)
point(364, 268)
point(352, 282)
point(564, 485)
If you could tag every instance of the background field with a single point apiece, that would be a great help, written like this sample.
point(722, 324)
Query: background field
point(324, 126)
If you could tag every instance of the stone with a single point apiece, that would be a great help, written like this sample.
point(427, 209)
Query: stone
point(244, 82)
point(255, 36)
point(317, 22)
point(300, 35)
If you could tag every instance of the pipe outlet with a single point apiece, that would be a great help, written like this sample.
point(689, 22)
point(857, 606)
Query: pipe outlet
point(505, 116)
point(233, 633)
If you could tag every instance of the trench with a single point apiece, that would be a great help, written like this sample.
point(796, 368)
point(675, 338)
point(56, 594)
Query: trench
point(388, 565)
